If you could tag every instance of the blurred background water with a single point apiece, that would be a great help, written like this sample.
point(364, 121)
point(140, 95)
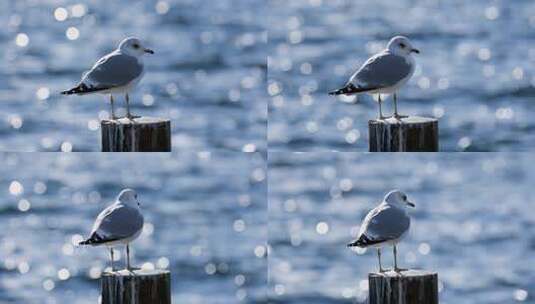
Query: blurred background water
point(473, 224)
point(205, 220)
point(475, 71)
point(207, 76)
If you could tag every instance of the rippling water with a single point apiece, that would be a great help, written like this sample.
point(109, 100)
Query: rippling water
point(207, 76)
point(205, 220)
point(472, 224)
point(475, 71)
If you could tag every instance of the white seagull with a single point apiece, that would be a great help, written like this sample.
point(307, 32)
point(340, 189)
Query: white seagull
point(383, 73)
point(116, 73)
point(118, 224)
point(386, 224)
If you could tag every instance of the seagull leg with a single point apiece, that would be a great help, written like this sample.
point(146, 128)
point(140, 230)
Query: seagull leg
point(380, 109)
point(379, 257)
point(396, 115)
point(127, 257)
point(128, 267)
point(112, 109)
point(396, 269)
point(128, 115)
point(111, 256)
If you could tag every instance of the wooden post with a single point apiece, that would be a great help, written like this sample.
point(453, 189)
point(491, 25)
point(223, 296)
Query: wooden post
point(136, 287)
point(144, 134)
point(407, 287)
point(411, 134)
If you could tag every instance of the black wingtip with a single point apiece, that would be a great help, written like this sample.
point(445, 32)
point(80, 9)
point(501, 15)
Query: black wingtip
point(350, 89)
point(85, 242)
point(92, 240)
point(82, 88)
point(75, 90)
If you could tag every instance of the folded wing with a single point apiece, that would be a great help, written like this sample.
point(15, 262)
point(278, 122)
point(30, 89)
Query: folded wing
point(115, 223)
point(113, 70)
point(382, 70)
point(382, 224)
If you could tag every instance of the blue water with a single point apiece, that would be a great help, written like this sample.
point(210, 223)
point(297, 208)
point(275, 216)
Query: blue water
point(207, 75)
point(475, 71)
point(205, 221)
point(473, 224)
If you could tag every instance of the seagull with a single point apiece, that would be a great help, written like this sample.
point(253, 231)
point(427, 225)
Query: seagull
point(118, 224)
point(116, 73)
point(383, 73)
point(386, 224)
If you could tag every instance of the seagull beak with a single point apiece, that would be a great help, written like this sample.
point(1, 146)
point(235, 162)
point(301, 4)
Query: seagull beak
point(410, 204)
point(149, 51)
point(417, 51)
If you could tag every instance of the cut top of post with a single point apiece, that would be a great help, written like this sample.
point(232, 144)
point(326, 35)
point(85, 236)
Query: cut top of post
point(133, 121)
point(411, 273)
point(136, 273)
point(416, 120)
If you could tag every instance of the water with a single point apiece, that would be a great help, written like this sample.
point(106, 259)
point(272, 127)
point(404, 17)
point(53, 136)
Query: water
point(207, 76)
point(205, 221)
point(475, 71)
point(472, 224)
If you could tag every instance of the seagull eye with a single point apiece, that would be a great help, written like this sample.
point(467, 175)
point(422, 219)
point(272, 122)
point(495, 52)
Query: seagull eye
point(404, 197)
point(402, 45)
point(136, 46)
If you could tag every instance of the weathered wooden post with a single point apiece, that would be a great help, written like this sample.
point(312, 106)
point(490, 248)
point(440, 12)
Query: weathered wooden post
point(144, 134)
point(411, 134)
point(136, 287)
point(407, 287)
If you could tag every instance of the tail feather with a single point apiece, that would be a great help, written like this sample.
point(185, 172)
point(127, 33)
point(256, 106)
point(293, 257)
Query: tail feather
point(350, 89)
point(364, 241)
point(355, 243)
point(96, 239)
point(86, 242)
point(82, 88)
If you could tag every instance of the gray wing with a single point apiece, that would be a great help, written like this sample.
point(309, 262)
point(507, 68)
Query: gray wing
point(113, 70)
point(382, 70)
point(117, 222)
point(385, 223)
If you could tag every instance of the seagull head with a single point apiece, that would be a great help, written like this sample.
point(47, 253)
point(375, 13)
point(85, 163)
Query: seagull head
point(401, 45)
point(132, 46)
point(129, 197)
point(398, 198)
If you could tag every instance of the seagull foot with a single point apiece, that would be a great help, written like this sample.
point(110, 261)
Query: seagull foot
point(381, 270)
point(399, 270)
point(398, 117)
point(131, 270)
point(132, 117)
